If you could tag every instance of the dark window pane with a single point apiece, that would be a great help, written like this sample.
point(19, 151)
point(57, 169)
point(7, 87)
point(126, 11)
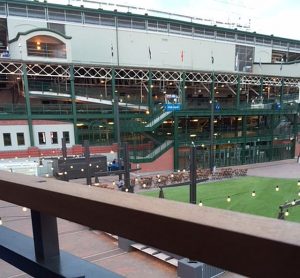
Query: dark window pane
point(20, 139)
point(66, 135)
point(6, 139)
point(54, 139)
point(42, 138)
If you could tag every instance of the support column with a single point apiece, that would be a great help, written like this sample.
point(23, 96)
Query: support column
point(212, 111)
point(28, 105)
point(193, 176)
point(73, 99)
point(176, 144)
point(117, 134)
point(238, 93)
point(281, 93)
point(295, 135)
point(272, 136)
point(87, 156)
point(45, 235)
point(150, 89)
point(261, 87)
point(182, 90)
point(244, 136)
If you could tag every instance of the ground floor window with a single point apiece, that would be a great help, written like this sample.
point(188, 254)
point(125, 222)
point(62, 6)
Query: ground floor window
point(6, 139)
point(20, 139)
point(54, 138)
point(66, 135)
point(42, 138)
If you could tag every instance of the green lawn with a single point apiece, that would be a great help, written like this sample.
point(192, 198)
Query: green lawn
point(265, 203)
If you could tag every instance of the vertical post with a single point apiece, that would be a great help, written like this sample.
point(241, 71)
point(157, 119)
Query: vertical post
point(28, 106)
point(73, 99)
point(45, 235)
point(261, 87)
point(182, 89)
point(212, 110)
point(281, 92)
point(272, 136)
point(244, 133)
point(193, 176)
point(238, 93)
point(64, 154)
point(176, 145)
point(127, 169)
point(87, 162)
point(150, 89)
point(64, 147)
point(295, 134)
point(117, 136)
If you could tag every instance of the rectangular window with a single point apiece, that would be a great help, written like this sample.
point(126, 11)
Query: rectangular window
point(244, 58)
point(6, 139)
point(42, 138)
point(20, 139)
point(66, 135)
point(54, 138)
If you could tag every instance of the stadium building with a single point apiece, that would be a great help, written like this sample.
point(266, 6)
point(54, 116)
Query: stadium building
point(161, 82)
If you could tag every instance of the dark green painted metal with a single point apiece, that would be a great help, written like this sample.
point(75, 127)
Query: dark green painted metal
point(150, 99)
point(281, 92)
point(238, 91)
point(73, 99)
point(28, 105)
point(261, 87)
point(182, 90)
point(212, 116)
point(176, 144)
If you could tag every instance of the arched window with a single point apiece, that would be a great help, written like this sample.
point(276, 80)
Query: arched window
point(46, 46)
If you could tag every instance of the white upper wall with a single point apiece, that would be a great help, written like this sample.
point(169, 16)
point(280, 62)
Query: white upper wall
point(92, 44)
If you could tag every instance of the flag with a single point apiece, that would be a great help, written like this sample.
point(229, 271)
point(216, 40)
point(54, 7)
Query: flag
point(212, 59)
point(112, 50)
point(150, 54)
point(181, 55)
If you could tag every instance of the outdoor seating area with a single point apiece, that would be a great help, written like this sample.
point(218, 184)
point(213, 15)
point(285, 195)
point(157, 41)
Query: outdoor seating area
point(184, 176)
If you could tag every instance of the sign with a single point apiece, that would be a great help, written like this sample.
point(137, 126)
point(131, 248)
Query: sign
point(172, 107)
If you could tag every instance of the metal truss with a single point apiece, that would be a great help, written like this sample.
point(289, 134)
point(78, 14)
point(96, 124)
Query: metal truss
point(198, 77)
point(132, 74)
point(226, 78)
point(272, 81)
point(250, 79)
point(48, 70)
point(166, 75)
point(92, 72)
point(10, 68)
point(291, 82)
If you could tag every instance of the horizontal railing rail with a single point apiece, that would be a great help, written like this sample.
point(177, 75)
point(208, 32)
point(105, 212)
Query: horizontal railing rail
point(246, 244)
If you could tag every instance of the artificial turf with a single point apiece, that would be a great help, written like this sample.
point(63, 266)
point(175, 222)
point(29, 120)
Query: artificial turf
point(265, 203)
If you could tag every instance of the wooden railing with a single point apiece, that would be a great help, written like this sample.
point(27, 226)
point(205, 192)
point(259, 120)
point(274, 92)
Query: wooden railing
point(246, 244)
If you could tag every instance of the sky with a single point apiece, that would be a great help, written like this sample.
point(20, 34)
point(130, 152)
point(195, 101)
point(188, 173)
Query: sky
point(278, 17)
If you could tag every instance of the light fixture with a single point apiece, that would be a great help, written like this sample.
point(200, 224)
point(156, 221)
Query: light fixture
point(277, 188)
point(82, 170)
point(71, 166)
point(228, 199)
point(65, 173)
point(253, 193)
